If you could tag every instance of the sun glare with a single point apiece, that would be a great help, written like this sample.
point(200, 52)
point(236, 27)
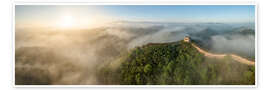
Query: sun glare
point(76, 21)
point(66, 21)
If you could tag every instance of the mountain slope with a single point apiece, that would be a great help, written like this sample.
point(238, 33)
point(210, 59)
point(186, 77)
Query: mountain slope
point(180, 63)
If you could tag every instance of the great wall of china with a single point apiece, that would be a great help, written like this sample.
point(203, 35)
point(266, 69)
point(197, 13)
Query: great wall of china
point(221, 56)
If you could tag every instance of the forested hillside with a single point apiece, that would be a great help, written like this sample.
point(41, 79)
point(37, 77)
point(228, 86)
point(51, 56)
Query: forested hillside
point(176, 63)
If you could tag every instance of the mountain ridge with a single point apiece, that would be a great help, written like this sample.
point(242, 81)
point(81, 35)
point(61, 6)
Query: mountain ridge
point(177, 63)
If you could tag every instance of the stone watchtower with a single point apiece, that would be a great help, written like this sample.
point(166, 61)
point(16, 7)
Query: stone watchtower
point(187, 39)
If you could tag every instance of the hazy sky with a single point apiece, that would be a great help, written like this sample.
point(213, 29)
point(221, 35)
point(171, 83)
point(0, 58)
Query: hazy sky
point(87, 15)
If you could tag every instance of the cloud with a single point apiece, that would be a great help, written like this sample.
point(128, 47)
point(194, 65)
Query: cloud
point(243, 44)
point(75, 56)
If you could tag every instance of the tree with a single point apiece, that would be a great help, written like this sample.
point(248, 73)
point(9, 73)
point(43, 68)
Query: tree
point(179, 63)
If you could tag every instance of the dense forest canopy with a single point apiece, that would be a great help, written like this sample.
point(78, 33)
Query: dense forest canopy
point(178, 63)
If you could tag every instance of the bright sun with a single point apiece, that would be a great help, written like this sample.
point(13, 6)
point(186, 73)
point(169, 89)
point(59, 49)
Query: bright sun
point(66, 21)
point(72, 21)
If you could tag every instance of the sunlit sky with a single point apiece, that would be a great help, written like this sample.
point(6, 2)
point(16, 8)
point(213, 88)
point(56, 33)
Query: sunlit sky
point(84, 16)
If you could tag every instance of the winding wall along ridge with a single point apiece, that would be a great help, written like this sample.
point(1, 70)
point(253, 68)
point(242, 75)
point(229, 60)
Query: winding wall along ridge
point(221, 56)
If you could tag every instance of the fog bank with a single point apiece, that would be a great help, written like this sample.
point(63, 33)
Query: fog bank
point(49, 56)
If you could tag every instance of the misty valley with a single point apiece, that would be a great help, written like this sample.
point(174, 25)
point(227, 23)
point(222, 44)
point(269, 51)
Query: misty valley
point(135, 53)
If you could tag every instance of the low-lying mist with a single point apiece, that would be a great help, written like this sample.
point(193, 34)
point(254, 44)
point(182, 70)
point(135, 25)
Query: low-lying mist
point(48, 56)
